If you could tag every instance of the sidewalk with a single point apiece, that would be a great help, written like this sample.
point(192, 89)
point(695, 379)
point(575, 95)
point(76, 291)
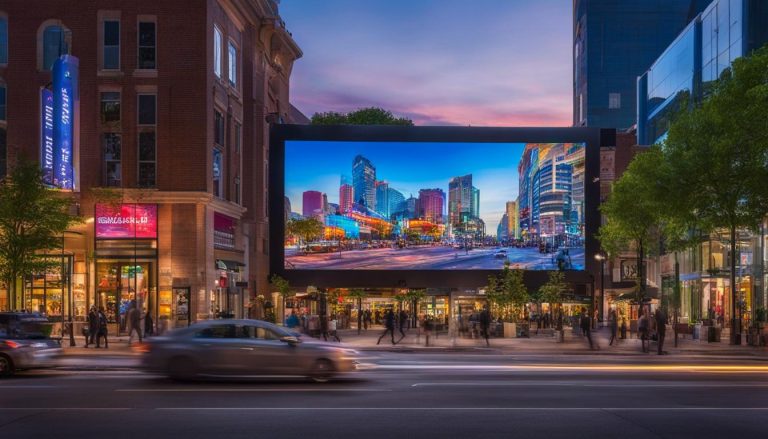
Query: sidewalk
point(574, 344)
point(121, 356)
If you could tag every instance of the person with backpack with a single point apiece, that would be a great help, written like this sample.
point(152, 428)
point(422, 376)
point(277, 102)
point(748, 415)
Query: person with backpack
point(485, 324)
point(586, 326)
point(614, 324)
point(102, 331)
point(403, 322)
point(389, 325)
point(642, 329)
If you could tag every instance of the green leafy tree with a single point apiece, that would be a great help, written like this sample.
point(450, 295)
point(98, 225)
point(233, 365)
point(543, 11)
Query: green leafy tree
point(283, 287)
point(363, 116)
point(633, 210)
point(33, 220)
point(552, 292)
point(507, 293)
point(720, 149)
point(306, 229)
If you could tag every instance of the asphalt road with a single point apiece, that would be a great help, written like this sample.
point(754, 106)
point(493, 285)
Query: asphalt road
point(416, 395)
point(434, 258)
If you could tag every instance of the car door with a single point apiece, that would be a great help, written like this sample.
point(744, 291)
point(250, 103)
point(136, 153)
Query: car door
point(265, 353)
point(216, 351)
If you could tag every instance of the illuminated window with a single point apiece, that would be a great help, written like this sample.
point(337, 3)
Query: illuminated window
point(232, 64)
point(3, 40)
point(217, 52)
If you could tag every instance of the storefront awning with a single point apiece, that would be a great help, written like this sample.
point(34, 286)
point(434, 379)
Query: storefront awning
point(650, 294)
point(223, 264)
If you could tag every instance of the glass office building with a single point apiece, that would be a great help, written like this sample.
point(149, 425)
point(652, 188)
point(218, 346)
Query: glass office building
point(613, 43)
point(684, 72)
point(724, 31)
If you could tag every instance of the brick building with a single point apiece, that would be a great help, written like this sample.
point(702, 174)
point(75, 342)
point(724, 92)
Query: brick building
point(170, 133)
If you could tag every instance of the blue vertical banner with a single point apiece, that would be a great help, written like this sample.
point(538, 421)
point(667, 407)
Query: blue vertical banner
point(46, 135)
point(65, 96)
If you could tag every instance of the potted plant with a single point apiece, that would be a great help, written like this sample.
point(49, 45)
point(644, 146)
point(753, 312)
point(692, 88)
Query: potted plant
point(508, 295)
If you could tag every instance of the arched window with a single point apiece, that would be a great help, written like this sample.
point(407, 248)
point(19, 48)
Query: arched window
point(3, 38)
point(53, 40)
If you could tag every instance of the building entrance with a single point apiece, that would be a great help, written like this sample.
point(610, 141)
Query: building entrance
point(119, 283)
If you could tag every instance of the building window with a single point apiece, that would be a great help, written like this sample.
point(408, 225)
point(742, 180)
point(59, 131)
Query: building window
point(3, 154)
point(3, 40)
point(614, 101)
point(238, 134)
point(147, 45)
point(112, 146)
point(218, 127)
point(147, 159)
point(3, 116)
point(111, 43)
point(217, 52)
point(110, 107)
point(217, 172)
point(237, 190)
point(147, 118)
point(147, 109)
point(232, 64)
point(55, 44)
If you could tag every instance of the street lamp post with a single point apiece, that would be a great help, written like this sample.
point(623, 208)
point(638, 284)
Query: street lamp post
point(601, 258)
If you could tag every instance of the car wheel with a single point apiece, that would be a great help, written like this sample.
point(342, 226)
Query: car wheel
point(322, 371)
point(6, 366)
point(182, 368)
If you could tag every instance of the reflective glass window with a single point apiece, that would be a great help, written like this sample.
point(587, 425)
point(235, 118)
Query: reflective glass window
point(111, 56)
point(3, 40)
point(54, 45)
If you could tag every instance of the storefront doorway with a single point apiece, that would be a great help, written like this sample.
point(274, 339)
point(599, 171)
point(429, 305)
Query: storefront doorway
point(118, 283)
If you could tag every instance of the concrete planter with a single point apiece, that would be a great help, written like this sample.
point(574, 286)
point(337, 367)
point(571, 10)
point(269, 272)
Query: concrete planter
point(510, 330)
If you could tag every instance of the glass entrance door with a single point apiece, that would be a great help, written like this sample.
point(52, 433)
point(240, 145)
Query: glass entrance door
point(121, 282)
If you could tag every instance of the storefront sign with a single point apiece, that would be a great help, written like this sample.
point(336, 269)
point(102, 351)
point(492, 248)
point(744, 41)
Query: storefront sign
point(65, 96)
point(46, 135)
point(121, 221)
point(629, 269)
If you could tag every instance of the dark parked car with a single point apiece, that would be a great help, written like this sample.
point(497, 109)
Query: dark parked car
point(244, 348)
point(25, 342)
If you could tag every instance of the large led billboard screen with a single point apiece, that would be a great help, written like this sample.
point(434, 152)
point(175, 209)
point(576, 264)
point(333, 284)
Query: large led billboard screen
point(372, 205)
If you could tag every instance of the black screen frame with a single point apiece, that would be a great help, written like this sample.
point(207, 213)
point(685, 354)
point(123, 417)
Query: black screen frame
point(593, 139)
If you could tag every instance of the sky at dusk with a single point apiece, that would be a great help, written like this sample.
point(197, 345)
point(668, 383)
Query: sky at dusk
point(438, 62)
point(407, 167)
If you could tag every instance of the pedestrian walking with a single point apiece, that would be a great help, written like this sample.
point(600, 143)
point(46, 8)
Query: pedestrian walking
point(93, 326)
point(149, 325)
point(614, 324)
point(366, 319)
point(485, 324)
point(102, 330)
point(623, 325)
point(292, 321)
point(389, 325)
point(427, 324)
point(586, 326)
point(661, 329)
point(332, 328)
point(642, 329)
point(134, 320)
point(403, 321)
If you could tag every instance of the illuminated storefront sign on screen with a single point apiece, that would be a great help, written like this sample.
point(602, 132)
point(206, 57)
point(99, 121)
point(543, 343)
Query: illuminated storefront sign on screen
point(122, 221)
point(65, 96)
point(46, 135)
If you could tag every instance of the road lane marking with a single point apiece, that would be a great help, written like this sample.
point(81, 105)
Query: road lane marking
point(584, 384)
point(609, 409)
point(271, 389)
point(584, 368)
point(51, 409)
point(41, 386)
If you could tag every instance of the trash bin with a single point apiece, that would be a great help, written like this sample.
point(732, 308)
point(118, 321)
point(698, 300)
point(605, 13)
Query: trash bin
point(697, 331)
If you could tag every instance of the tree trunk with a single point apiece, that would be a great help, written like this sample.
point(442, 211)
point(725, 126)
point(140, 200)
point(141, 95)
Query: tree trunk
point(676, 298)
point(640, 271)
point(735, 313)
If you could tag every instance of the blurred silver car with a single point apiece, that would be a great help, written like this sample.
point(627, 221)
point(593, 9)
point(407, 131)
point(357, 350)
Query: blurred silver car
point(25, 342)
point(244, 348)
